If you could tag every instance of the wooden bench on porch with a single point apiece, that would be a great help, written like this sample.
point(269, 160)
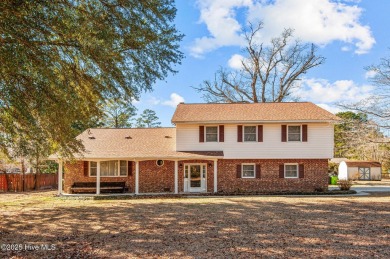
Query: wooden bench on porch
point(105, 187)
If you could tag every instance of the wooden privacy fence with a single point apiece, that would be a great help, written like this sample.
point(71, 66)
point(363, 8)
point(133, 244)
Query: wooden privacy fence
point(14, 182)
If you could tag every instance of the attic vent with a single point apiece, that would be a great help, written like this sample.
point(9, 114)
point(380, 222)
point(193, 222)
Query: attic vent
point(128, 137)
point(91, 137)
point(168, 137)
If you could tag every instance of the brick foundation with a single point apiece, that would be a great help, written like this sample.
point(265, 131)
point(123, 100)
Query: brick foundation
point(156, 179)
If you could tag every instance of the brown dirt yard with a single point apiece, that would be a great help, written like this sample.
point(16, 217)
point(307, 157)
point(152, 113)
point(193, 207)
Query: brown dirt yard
point(203, 227)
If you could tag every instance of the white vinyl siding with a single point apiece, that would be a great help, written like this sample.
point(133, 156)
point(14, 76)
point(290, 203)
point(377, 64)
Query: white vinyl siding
point(320, 144)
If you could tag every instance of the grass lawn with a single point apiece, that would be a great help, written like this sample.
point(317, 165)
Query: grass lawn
point(244, 227)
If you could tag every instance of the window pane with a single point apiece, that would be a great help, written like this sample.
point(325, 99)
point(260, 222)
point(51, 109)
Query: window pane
point(248, 171)
point(250, 129)
point(211, 137)
point(93, 164)
point(294, 129)
point(294, 137)
point(93, 171)
point(291, 170)
point(104, 168)
point(123, 171)
point(294, 133)
point(211, 130)
point(250, 137)
point(123, 163)
point(113, 168)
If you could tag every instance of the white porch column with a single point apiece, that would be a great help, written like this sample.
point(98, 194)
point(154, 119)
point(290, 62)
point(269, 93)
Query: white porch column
point(60, 175)
point(215, 175)
point(98, 178)
point(136, 177)
point(176, 177)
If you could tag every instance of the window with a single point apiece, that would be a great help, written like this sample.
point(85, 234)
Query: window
point(248, 171)
point(249, 133)
point(291, 171)
point(109, 168)
point(93, 168)
point(212, 134)
point(123, 168)
point(294, 133)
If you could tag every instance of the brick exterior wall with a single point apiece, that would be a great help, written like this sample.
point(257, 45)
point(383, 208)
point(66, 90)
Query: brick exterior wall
point(153, 178)
point(315, 176)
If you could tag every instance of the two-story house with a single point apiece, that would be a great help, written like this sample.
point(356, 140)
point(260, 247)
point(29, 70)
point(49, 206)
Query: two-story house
point(213, 148)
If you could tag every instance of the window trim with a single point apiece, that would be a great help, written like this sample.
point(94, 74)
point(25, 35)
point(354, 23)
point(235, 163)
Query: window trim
point(119, 169)
point(300, 132)
point(205, 133)
point(297, 165)
point(243, 133)
point(254, 171)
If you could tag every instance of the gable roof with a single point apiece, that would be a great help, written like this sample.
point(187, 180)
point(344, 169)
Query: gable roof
point(251, 112)
point(136, 143)
point(363, 163)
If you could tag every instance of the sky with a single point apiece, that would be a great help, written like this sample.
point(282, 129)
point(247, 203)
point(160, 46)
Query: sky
point(350, 34)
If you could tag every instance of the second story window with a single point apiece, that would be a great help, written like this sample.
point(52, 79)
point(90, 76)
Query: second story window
point(249, 133)
point(294, 133)
point(212, 134)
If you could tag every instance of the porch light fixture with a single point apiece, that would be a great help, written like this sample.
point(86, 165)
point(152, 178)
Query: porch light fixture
point(210, 165)
point(181, 165)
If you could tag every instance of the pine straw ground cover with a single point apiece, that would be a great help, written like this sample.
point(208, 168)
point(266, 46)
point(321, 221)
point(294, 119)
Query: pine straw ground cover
point(205, 227)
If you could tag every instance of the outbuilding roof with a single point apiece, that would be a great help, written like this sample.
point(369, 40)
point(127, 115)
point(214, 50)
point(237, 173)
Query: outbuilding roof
point(137, 143)
point(251, 112)
point(363, 164)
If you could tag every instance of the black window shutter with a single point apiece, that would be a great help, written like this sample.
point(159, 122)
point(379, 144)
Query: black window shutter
point(258, 171)
point(129, 168)
point(201, 133)
point(86, 164)
point(281, 171)
point(238, 171)
point(284, 133)
point(239, 133)
point(260, 133)
point(221, 133)
point(304, 133)
point(301, 171)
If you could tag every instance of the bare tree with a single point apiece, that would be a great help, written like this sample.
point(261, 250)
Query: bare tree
point(377, 105)
point(268, 73)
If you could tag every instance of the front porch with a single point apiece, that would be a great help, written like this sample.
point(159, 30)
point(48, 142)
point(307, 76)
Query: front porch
point(142, 176)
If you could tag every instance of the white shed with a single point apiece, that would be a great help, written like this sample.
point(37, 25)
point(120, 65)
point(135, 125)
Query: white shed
point(360, 170)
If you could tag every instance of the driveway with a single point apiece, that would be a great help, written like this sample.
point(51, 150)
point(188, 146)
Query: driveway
point(364, 187)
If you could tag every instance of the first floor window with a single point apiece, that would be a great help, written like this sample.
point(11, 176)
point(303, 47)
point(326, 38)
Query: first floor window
point(248, 171)
point(291, 170)
point(109, 168)
point(249, 133)
point(294, 133)
point(93, 168)
point(212, 134)
point(123, 168)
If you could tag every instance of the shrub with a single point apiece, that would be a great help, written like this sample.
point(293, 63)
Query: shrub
point(344, 185)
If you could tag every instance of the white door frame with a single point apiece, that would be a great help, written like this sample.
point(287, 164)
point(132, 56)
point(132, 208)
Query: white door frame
point(203, 181)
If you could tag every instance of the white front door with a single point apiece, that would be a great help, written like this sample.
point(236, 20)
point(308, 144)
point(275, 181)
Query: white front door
point(195, 178)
